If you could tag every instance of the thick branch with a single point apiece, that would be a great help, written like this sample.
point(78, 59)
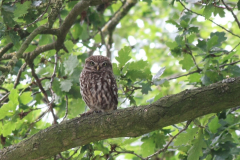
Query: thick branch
point(129, 122)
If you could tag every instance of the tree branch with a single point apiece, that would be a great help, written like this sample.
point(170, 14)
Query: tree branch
point(129, 122)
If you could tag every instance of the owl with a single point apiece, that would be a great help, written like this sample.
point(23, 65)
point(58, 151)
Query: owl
point(97, 85)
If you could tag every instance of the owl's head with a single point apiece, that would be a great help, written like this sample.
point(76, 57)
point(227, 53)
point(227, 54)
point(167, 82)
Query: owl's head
point(98, 63)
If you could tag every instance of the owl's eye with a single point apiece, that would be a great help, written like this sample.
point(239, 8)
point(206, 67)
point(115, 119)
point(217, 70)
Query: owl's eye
point(92, 63)
point(104, 64)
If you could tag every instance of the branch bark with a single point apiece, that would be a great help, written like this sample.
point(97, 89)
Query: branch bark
point(129, 122)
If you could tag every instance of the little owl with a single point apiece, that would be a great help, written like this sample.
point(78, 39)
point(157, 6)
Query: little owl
point(97, 84)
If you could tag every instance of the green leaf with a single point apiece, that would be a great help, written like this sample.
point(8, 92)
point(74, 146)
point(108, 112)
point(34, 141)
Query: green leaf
point(8, 128)
point(234, 70)
point(184, 24)
point(171, 21)
point(116, 70)
point(4, 110)
point(214, 125)
point(148, 146)
point(66, 85)
point(76, 31)
point(85, 32)
point(22, 8)
point(196, 150)
point(7, 13)
point(179, 40)
point(208, 11)
point(145, 88)
point(194, 78)
point(212, 42)
point(185, 137)
point(206, 80)
point(238, 4)
point(221, 38)
point(15, 38)
point(69, 45)
point(77, 107)
point(141, 64)
point(187, 62)
point(13, 96)
point(148, 1)
point(25, 98)
point(172, 45)
point(202, 45)
point(71, 63)
point(193, 30)
point(138, 74)
point(123, 55)
point(219, 11)
point(44, 39)
point(97, 38)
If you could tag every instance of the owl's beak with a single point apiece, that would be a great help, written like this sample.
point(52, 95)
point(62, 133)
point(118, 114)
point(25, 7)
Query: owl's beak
point(97, 67)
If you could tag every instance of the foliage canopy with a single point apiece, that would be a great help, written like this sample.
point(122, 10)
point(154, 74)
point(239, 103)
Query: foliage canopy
point(158, 48)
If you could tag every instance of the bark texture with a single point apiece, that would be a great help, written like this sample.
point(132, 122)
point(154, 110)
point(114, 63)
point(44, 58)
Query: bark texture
point(130, 122)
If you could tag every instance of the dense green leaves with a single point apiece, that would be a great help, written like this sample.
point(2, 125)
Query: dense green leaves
point(157, 50)
point(196, 150)
point(123, 56)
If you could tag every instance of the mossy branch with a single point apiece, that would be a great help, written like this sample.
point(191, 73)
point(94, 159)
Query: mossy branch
point(129, 122)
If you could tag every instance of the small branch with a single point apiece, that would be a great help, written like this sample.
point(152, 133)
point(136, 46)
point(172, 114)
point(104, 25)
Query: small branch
point(5, 49)
point(39, 18)
point(52, 92)
point(209, 20)
point(39, 82)
point(190, 52)
point(235, 17)
point(66, 113)
point(197, 71)
point(30, 56)
point(229, 64)
point(1, 88)
point(19, 74)
point(235, 47)
point(4, 98)
point(73, 153)
point(106, 45)
point(109, 45)
point(166, 147)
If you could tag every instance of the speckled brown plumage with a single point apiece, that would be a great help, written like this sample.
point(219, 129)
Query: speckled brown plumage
point(97, 84)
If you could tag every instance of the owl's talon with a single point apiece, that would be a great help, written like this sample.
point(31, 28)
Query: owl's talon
point(99, 111)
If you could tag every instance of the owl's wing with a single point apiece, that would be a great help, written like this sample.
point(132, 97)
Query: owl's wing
point(113, 89)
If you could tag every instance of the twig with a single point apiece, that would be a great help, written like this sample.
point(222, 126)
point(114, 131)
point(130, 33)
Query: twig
point(235, 17)
point(235, 47)
point(126, 152)
point(66, 113)
point(73, 153)
point(53, 76)
point(5, 49)
point(36, 20)
point(229, 64)
point(190, 52)
point(109, 45)
point(52, 92)
point(4, 97)
point(197, 71)
point(209, 20)
point(44, 93)
point(166, 147)
point(1, 88)
point(19, 74)
point(39, 82)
